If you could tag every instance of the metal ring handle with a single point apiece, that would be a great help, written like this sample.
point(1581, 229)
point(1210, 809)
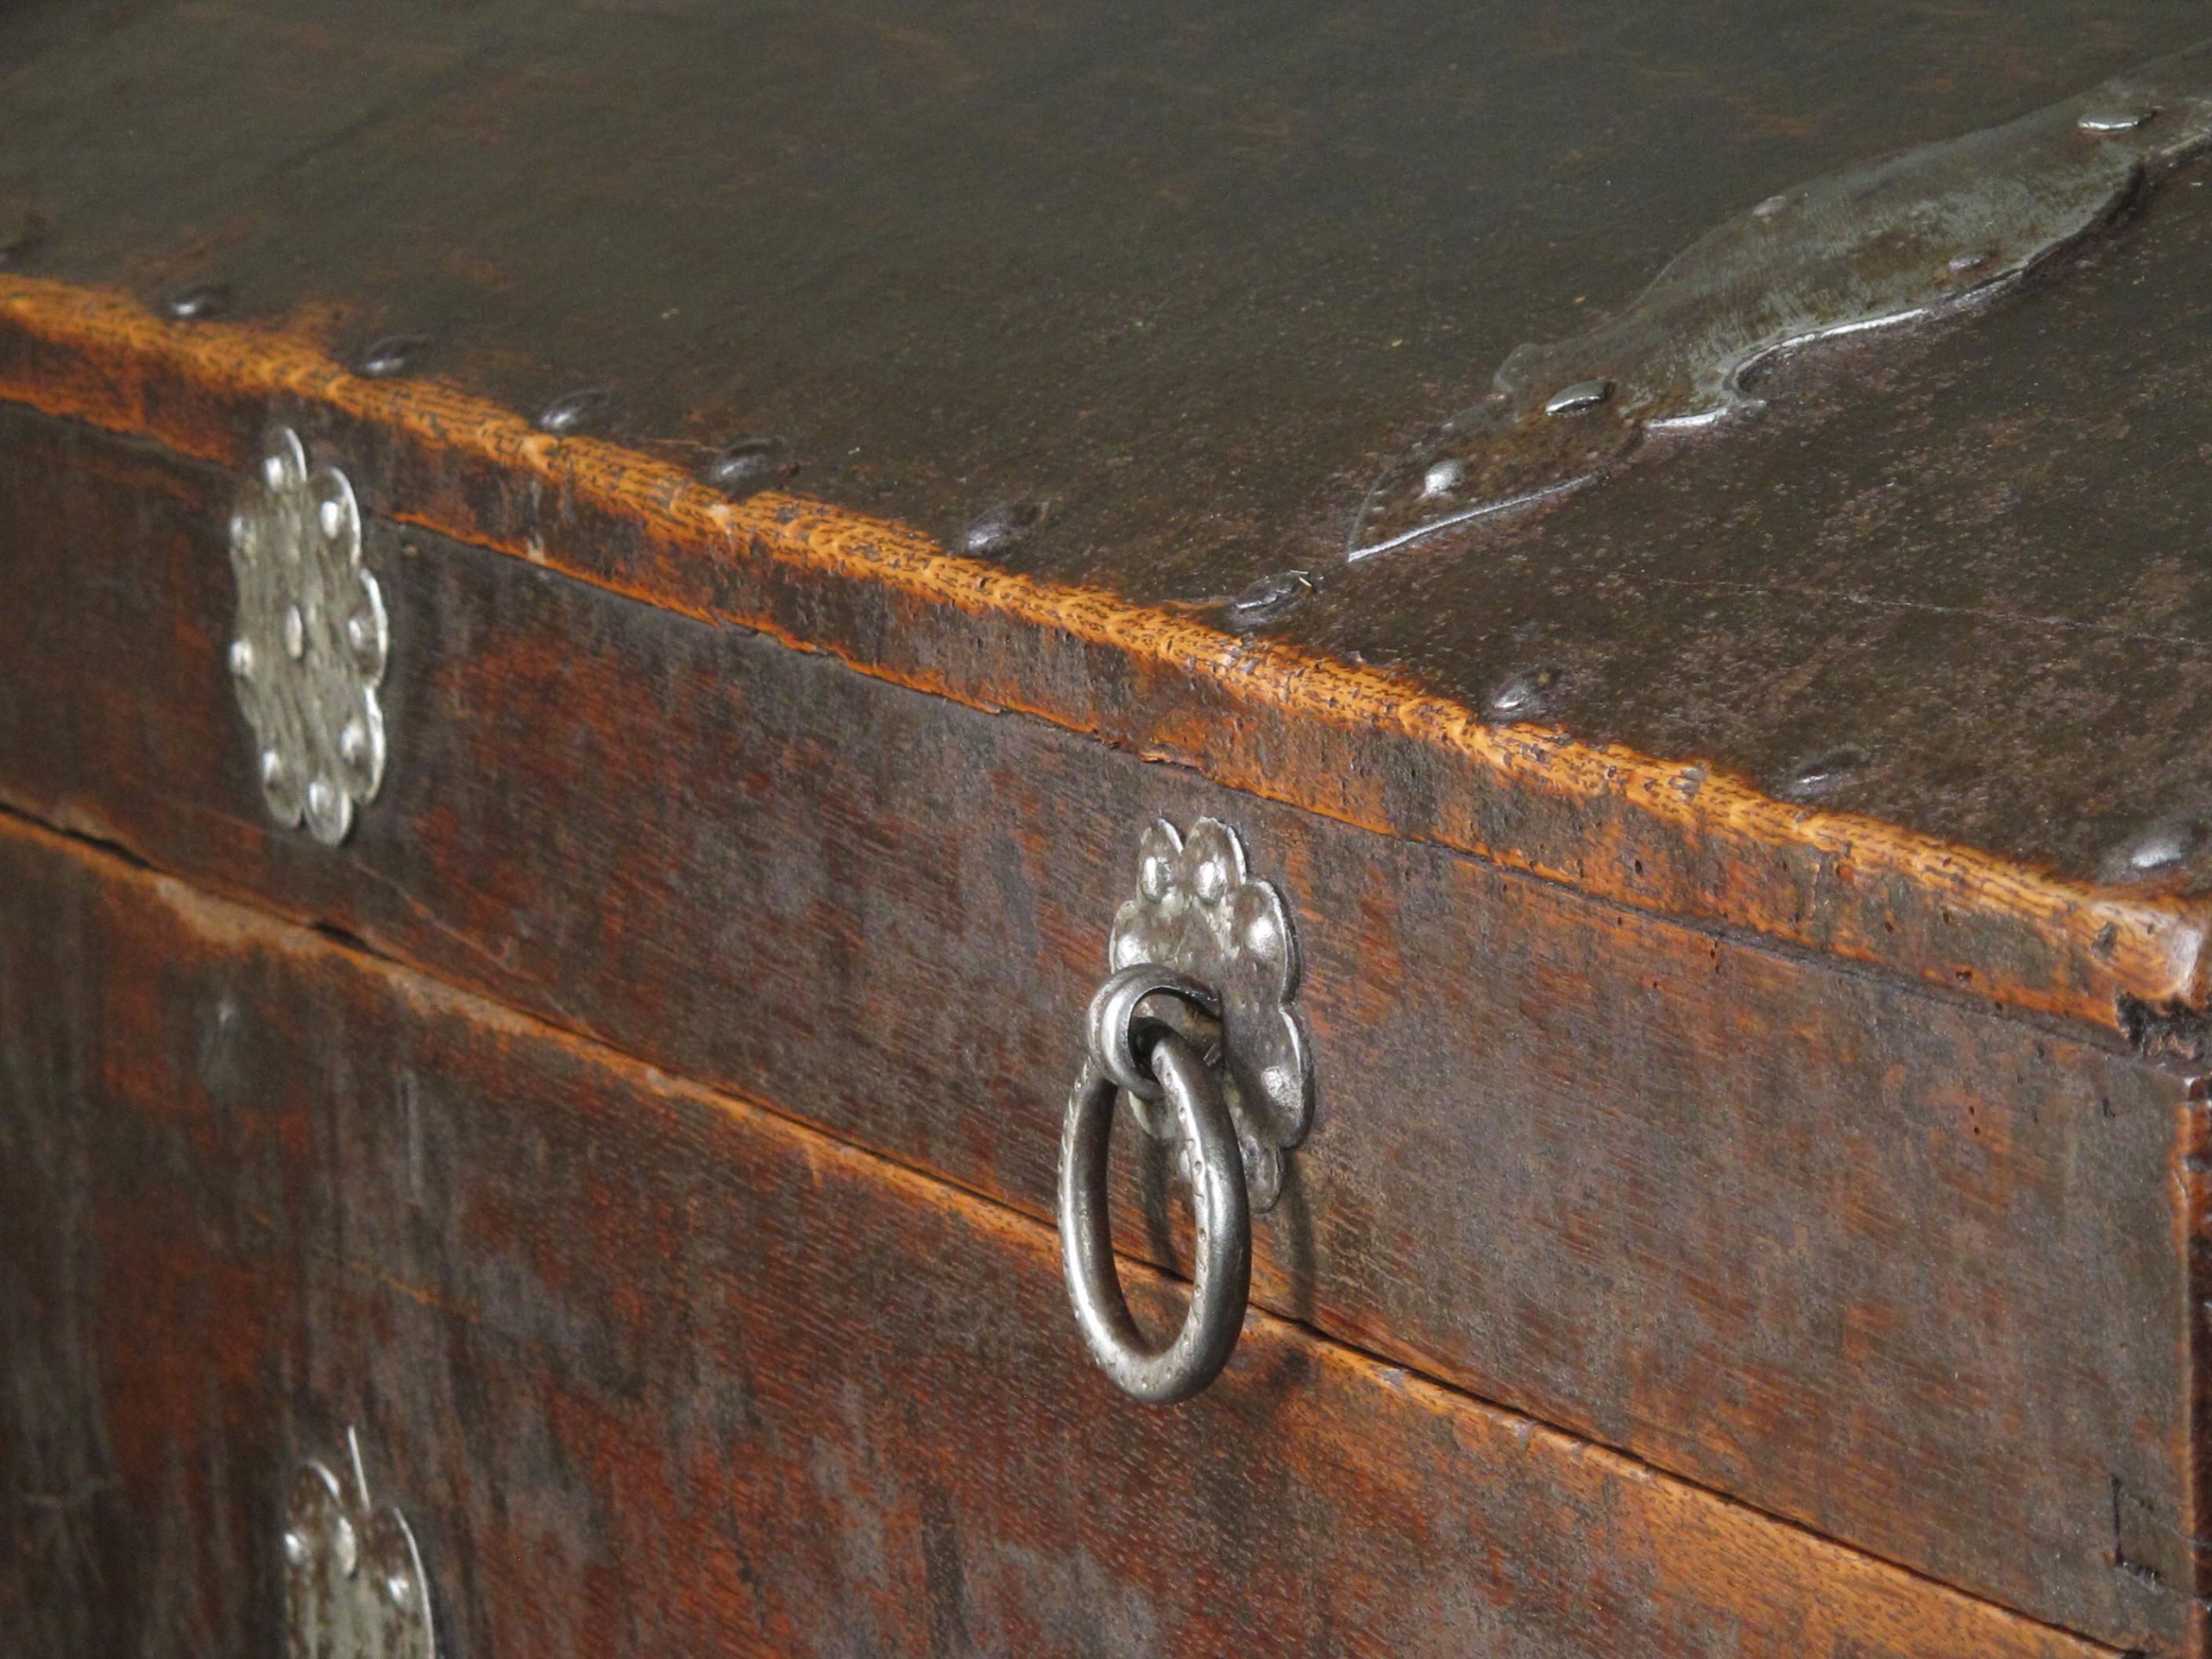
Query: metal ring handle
point(1221, 1273)
point(1113, 1017)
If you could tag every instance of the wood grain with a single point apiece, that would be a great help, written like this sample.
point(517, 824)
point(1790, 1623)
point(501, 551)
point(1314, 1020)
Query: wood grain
point(1874, 1260)
point(1192, 279)
point(1345, 741)
point(652, 1369)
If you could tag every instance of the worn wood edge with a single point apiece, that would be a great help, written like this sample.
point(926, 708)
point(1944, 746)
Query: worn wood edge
point(2192, 1168)
point(1840, 1576)
point(1343, 741)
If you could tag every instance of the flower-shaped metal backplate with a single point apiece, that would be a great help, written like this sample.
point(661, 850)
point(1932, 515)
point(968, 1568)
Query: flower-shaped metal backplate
point(310, 646)
point(354, 1586)
point(1199, 911)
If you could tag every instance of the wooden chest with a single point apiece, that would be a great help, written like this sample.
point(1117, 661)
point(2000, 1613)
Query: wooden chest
point(632, 635)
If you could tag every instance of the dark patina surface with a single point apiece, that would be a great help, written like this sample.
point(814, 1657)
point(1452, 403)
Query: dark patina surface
point(1149, 299)
point(593, 1330)
point(1874, 1260)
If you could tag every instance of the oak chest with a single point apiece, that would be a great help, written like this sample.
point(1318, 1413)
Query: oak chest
point(865, 830)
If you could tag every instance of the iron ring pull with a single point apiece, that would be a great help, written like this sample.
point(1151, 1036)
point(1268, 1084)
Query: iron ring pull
point(1173, 1072)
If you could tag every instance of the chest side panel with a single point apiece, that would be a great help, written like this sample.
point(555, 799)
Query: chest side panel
point(1877, 1260)
point(656, 1369)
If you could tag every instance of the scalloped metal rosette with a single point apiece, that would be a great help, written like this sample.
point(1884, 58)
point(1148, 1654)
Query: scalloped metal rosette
point(1200, 911)
point(311, 642)
point(354, 1587)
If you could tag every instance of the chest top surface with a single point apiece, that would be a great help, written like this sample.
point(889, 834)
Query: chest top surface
point(1168, 305)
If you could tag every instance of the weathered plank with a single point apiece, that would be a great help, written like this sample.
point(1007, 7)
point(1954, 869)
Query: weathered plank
point(1907, 1272)
point(654, 1371)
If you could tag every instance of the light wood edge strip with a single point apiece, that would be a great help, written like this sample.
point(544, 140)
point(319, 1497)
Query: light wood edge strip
point(2191, 1172)
point(1845, 1590)
point(1720, 851)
